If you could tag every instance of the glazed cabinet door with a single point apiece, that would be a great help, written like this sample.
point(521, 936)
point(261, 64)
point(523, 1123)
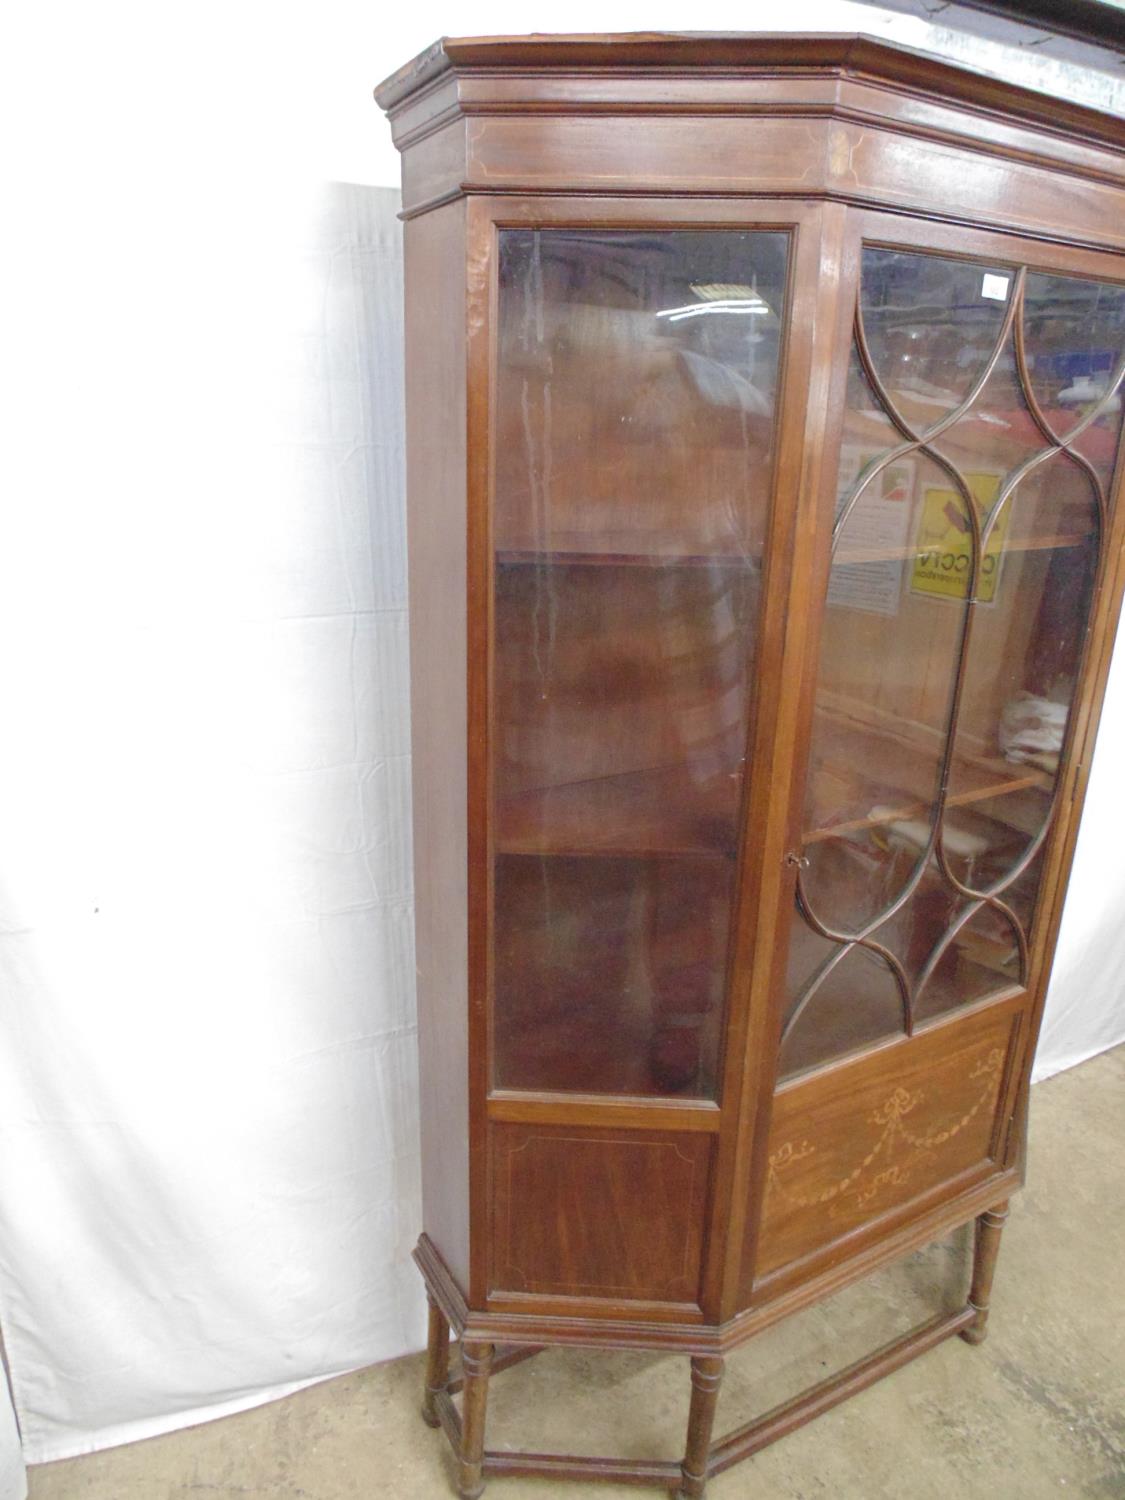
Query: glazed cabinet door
point(972, 523)
point(635, 403)
point(636, 406)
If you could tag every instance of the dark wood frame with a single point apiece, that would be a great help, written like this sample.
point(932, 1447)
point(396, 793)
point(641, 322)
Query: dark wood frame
point(852, 142)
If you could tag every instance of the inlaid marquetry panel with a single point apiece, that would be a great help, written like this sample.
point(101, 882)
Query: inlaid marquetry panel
point(856, 1142)
point(599, 1213)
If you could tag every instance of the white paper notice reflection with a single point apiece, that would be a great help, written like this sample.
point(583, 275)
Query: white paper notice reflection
point(871, 552)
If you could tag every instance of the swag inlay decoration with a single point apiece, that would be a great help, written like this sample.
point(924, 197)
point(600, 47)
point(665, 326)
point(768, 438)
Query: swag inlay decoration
point(897, 1149)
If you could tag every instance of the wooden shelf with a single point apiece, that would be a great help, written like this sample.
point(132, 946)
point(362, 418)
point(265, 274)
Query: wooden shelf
point(921, 809)
point(622, 549)
point(848, 556)
point(668, 812)
point(665, 811)
point(877, 749)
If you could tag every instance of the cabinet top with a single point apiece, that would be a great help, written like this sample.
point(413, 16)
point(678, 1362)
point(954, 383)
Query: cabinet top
point(601, 57)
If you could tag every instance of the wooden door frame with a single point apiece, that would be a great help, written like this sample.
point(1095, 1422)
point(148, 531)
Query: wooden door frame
point(815, 230)
point(915, 232)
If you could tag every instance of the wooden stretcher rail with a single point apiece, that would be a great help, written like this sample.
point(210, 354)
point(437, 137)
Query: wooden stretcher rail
point(819, 1398)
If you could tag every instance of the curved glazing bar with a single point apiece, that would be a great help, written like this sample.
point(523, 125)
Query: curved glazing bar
point(965, 551)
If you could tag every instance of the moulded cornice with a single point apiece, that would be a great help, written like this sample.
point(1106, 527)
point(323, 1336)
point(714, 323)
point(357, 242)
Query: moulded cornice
point(688, 55)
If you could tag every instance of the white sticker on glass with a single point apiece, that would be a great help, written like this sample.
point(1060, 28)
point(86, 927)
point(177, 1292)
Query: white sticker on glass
point(995, 287)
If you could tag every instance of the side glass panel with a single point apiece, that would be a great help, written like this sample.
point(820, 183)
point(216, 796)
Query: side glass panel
point(635, 416)
point(984, 412)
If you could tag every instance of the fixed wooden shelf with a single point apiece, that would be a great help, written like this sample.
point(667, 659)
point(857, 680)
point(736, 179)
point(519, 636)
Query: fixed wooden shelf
point(621, 549)
point(879, 752)
point(670, 811)
point(667, 811)
point(920, 808)
point(849, 555)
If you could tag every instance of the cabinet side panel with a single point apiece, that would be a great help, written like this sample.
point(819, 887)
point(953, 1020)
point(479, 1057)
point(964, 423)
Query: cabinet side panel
point(435, 436)
point(606, 1214)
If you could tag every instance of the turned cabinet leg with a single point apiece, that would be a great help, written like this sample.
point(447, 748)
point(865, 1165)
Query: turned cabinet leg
point(437, 1363)
point(476, 1365)
point(988, 1229)
point(706, 1377)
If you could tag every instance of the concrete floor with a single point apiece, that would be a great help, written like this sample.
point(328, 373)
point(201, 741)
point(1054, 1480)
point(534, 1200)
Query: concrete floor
point(1039, 1410)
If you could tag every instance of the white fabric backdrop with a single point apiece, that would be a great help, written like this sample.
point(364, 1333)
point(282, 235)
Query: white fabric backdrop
point(1085, 1011)
point(208, 1134)
point(208, 1158)
point(13, 1474)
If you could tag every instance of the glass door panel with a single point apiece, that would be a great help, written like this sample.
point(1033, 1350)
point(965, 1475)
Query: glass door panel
point(983, 415)
point(635, 416)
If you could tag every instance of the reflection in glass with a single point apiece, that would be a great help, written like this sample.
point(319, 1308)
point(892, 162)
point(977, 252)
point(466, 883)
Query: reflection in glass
point(995, 436)
point(856, 1000)
point(609, 973)
point(963, 573)
point(929, 328)
point(878, 736)
point(637, 380)
point(1074, 333)
point(978, 955)
point(1022, 668)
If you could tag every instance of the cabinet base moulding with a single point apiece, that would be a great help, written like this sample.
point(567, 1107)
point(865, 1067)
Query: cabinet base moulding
point(483, 1356)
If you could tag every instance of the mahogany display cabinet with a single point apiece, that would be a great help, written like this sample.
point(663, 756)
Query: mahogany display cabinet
point(764, 418)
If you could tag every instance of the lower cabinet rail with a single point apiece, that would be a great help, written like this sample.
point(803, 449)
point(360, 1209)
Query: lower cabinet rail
point(828, 1393)
point(704, 1458)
